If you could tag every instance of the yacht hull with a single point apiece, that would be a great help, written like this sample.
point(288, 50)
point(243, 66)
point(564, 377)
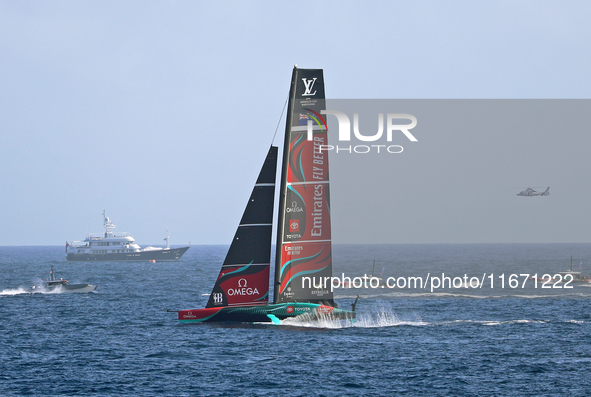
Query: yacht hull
point(172, 254)
point(264, 313)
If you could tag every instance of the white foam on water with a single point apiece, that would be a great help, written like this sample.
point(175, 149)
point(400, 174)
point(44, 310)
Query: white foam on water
point(37, 290)
point(379, 319)
point(16, 291)
point(320, 322)
point(493, 322)
point(387, 318)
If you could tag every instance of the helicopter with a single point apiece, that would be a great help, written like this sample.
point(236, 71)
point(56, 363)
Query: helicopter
point(529, 192)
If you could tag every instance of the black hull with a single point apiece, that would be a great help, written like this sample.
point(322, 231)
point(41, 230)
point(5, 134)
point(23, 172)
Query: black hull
point(173, 254)
point(265, 313)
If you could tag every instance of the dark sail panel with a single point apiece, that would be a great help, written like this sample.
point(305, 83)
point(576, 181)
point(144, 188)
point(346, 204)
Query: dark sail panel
point(247, 246)
point(258, 205)
point(244, 277)
point(304, 246)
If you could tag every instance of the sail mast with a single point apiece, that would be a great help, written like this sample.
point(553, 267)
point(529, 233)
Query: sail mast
point(283, 185)
point(303, 248)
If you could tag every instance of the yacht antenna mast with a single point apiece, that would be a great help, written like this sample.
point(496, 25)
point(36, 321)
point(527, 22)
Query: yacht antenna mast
point(108, 224)
point(167, 238)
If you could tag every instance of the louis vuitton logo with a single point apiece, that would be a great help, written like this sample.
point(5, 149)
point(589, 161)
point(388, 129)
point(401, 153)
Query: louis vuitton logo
point(309, 85)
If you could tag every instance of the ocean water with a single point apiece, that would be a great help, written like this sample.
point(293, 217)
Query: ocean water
point(120, 339)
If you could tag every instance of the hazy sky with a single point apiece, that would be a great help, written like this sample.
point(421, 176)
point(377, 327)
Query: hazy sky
point(162, 113)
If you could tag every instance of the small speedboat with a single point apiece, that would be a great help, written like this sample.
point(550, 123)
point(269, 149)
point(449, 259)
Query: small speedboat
point(568, 276)
point(61, 286)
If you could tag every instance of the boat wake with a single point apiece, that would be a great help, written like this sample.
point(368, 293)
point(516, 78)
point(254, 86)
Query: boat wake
point(386, 318)
point(16, 291)
point(492, 322)
point(40, 290)
point(382, 318)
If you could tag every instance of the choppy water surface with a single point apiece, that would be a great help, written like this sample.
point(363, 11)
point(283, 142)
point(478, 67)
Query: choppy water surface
point(120, 340)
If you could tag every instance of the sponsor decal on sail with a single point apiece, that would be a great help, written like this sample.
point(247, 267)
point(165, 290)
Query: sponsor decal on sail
point(294, 225)
point(242, 289)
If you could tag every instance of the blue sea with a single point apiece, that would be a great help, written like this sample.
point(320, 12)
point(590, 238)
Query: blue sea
point(121, 340)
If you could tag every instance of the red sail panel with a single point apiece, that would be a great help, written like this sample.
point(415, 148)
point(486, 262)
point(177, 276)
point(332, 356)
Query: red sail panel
point(308, 263)
point(304, 235)
point(241, 285)
point(308, 160)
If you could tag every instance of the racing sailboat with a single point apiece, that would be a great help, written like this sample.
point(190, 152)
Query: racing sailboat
point(303, 264)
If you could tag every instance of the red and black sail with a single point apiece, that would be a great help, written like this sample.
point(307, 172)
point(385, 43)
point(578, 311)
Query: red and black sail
point(244, 278)
point(304, 236)
point(241, 292)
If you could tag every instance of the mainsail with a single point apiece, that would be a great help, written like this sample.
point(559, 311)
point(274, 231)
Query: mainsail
point(304, 235)
point(244, 277)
